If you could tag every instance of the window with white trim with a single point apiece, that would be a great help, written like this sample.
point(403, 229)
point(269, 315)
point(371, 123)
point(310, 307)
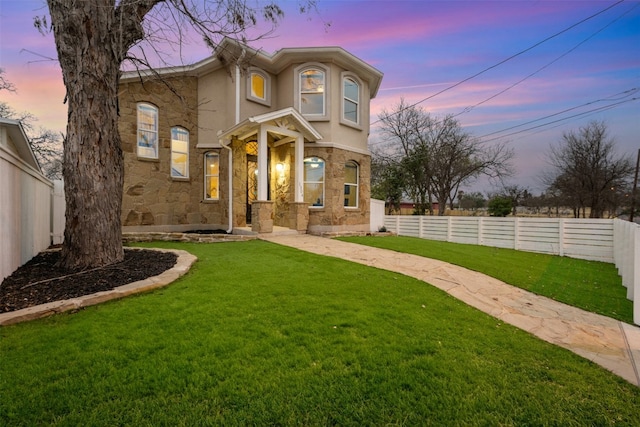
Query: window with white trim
point(147, 144)
point(179, 152)
point(351, 100)
point(312, 91)
point(351, 184)
point(211, 175)
point(258, 87)
point(314, 182)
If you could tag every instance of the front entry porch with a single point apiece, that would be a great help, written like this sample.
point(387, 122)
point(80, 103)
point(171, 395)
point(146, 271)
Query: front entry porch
point(267, 173)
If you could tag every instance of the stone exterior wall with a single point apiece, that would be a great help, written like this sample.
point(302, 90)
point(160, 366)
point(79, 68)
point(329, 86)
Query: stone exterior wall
point(152, 199)
point(282, 185)
point(205, 106)
point(239, 183)
point(334, 217)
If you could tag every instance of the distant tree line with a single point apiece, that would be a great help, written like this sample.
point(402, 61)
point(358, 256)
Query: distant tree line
point(426, 160)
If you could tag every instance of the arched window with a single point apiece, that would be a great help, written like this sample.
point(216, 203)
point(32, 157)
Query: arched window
point(211, 175)
point(312, 91)
point(314, 182)
point(351, 100)
point(179, 152)
point(147, 145)
point(351, 184)
point(258, 86)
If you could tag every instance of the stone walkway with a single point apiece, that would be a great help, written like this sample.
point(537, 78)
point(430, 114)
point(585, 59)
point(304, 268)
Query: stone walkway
point(610, 343)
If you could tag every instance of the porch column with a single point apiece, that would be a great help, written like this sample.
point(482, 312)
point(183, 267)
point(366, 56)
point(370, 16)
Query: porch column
point(262, 216)
point(262, 164)
point(299, 169)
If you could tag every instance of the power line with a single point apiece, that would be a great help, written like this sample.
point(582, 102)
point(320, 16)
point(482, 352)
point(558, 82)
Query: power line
point(627, 93)
point(595, 110)
point(508, 59)
point(468, 109)
point(615, 97)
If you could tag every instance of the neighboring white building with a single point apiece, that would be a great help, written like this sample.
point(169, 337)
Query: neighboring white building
point(25, 200)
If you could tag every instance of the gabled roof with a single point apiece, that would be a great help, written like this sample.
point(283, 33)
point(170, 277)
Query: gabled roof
point(20, 142)
point(232, 51)
point(285, 122)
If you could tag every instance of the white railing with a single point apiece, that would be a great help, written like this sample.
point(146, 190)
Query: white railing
point(606, 240)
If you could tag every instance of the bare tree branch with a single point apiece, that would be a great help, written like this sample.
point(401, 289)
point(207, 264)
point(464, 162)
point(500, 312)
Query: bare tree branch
point(6, 84)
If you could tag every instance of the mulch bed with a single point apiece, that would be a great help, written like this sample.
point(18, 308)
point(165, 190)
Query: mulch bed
point(40, 281)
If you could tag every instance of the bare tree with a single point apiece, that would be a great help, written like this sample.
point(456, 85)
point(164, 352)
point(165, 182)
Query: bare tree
point(45, 143)
point(6, 84)
point(586, 170)
point(93, 40)
point(472, 201)
point(516, 194)
point(438, 156)
point(458, 158)
point(408, 150)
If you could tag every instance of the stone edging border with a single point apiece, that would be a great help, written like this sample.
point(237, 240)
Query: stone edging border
point(183, 263)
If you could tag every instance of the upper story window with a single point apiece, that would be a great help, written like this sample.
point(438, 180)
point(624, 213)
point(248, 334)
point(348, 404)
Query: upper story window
point(258, 87)
point(351, 100)
point(312, 91)
point(211, 175)
point(147, 131)
point(179, 153)
point(314, 182)
point(351, 184)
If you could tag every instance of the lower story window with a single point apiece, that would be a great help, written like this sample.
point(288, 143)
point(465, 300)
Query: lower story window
point(351, 184)
point(179, 153)
point(211, 176)
point(314, 181)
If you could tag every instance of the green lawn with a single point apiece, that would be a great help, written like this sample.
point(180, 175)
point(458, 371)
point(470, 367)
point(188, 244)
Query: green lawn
point(591, 285)
point(260, 334)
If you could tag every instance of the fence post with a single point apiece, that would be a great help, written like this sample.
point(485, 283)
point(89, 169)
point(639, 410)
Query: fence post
point(561, 237)
point(480, 231)
point(635, 288)
point(420, 221)
point(449, 221)
point(516, 233)
point(57, 212)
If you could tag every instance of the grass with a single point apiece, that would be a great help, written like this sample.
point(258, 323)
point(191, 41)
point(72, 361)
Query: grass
point(590, 285)
point(260, 334)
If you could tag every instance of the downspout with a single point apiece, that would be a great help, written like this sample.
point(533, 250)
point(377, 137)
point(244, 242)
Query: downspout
point(230, 165)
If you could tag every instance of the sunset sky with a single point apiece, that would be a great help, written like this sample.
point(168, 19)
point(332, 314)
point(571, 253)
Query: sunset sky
point(569, 62)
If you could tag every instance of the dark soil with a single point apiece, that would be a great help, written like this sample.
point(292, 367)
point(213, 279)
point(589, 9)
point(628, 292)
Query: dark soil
point(40, 281)
point(217, 231)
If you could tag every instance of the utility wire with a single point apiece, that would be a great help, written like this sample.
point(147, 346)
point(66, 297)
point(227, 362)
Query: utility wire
point(595, 110)
point(620, 96)
point(508, 59)
point(468, 109)
point(626, 94)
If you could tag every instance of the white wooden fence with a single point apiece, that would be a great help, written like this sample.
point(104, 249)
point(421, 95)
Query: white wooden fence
point(626, 254)
point(606, 240)
point(25, 212)
point(58, 207)
point(377, 214)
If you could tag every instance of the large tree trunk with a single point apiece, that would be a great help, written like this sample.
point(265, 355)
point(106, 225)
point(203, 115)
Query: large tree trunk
point(93, 163)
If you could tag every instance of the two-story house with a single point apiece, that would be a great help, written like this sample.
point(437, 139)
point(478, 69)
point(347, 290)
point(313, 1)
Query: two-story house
point(247, 139)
